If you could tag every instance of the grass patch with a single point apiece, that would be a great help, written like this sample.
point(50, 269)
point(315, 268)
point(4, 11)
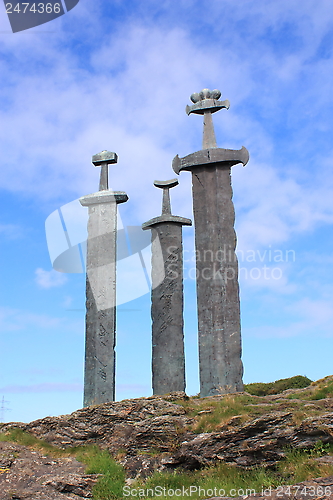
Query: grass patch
point(266, 389)
point(24, 438)
point(218, 413)
point(323, 392)
point(212, 414)
point(221, 480)
point(320, 389)
point(108, 487)
point(228, 480)
point(301, 465)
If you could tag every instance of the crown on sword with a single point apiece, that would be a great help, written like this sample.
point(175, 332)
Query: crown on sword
point(206, 100)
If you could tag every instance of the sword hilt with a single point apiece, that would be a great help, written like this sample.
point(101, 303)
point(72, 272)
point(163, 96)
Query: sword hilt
point(207, 102)
point(103, 160)
point(166, 185)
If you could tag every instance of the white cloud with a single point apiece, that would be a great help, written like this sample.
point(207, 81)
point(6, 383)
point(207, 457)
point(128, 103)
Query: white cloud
point(49, 279)
point(67, 302)
point(128, 94)
point(317, 313)
point(11, 231)
point(15, 319)
point(42, 387)
point(303, 318)
point(131, 99)
point(273, 208)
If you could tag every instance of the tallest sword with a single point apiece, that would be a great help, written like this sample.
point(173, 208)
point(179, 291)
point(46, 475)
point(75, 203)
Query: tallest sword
point(219, 328)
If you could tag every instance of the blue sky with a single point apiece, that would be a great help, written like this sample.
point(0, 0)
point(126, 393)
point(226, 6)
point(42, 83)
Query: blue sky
point(117, 75)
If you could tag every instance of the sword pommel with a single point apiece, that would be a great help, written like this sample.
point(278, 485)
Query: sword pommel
point(206, 101)
point(166, 184)
point(104, 157)
point(166, 215)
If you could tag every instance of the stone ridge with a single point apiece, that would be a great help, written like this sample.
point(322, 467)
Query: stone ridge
point(26, 474)
point(112, 425)
point(154, 433)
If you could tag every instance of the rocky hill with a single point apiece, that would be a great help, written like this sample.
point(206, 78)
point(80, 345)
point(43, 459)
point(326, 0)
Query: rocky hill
point(169, 433)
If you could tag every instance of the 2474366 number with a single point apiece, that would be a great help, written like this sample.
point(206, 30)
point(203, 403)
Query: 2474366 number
point(36, 8)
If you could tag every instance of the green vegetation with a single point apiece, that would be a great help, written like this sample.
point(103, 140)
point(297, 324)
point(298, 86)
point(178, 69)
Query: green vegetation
point(224, 479)
point(212, 414)
point(325, 391)
point(262, 389)
point(26, 439)
point(221, 479)
point(301, 465)
point(110, 485)
point(320, 389)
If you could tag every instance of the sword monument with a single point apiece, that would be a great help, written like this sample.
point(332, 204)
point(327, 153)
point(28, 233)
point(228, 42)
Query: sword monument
point(221, 368)
point(168, 358)
point(99, 372)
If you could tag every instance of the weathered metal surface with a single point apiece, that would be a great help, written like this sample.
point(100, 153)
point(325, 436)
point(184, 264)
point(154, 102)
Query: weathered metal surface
point(220, 363)
point(99, 372)
point(166, 185)
point(210, 156)
point(168, 359)
point(206, 100)
point(219, 330)
point(209, 139)
point(103, 159)
point(104, 156)
point(167, 218)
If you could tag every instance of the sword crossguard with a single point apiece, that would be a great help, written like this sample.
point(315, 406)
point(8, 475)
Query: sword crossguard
point(103, 159)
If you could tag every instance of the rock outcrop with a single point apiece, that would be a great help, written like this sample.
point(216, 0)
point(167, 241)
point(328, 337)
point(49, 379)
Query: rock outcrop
point(261, 441)
point(27, 474)
point(157, 433)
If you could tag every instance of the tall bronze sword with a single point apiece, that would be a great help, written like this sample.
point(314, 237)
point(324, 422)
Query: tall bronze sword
point(219, 330)
point(99, 371)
